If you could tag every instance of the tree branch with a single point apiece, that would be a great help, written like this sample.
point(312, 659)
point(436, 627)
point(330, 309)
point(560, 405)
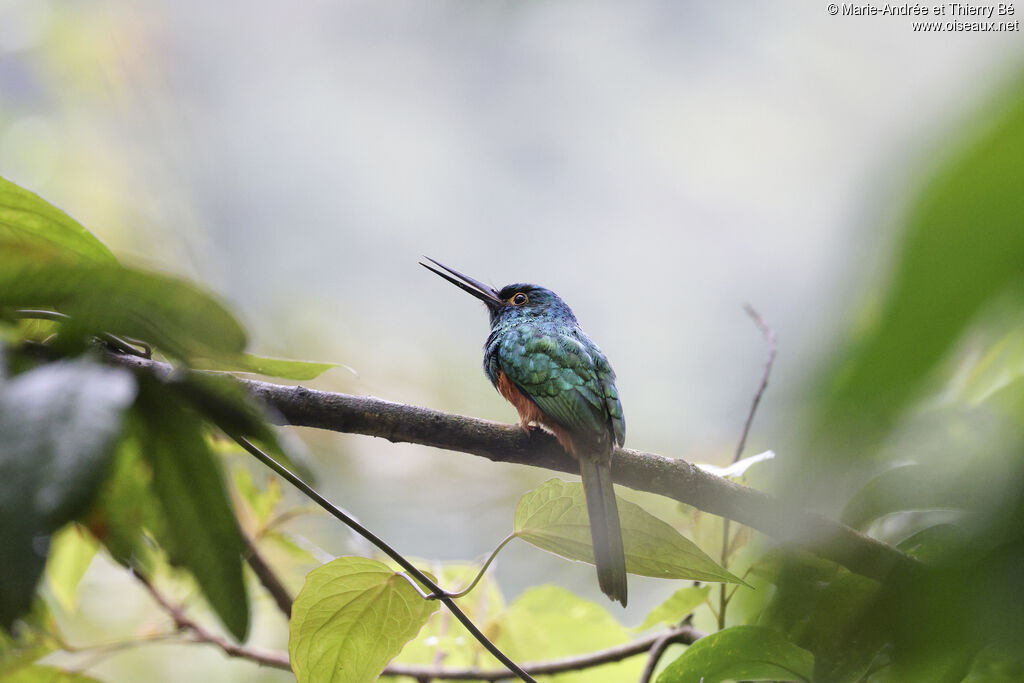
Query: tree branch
point(677, 479)
point(685, 634)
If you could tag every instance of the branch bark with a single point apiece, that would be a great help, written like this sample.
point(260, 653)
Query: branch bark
point(674, 478)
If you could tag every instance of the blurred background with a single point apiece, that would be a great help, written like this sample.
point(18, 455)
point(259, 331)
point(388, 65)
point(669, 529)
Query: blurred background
point(658, 164)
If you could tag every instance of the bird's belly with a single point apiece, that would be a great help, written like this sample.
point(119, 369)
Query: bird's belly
point(530, 412)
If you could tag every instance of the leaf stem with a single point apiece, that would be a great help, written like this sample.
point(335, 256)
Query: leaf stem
point(339, 514)
point(480, 574)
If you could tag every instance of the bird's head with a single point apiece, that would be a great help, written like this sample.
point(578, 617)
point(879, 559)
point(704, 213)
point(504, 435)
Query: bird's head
point(511, 302)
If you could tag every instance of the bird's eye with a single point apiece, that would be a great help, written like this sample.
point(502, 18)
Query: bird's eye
point(519, 299)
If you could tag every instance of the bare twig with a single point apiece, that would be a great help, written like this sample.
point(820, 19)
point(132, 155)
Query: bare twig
point(769, 335)
point(674, 478)
point(276, 660)
point(270, 581)
point(656, 651)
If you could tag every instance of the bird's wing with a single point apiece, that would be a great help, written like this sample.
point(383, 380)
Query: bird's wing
point(606, 380)
point(559, 373)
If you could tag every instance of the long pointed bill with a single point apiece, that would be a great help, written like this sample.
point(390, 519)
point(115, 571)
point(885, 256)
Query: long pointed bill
point(488, 295)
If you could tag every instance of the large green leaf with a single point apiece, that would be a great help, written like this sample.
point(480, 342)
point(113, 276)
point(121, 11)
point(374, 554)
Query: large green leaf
point(202, 532)
point(271, 367)
point(554, 517)
point(962, 248)
point(27, 218)
point(166, 311)
point(751, 653)
point(548, 622)
point(58, 424)
point(352, 616)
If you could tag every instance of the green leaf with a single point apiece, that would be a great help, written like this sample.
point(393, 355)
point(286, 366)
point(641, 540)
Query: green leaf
point(352, 616)
point(34, 636)
point(47, 674)
point(962, 485)
point(271, 367)
point(936, 543)
point(548, 622)
point(962, 248)
point(58, 424)
point(827, 610)
point(753, 653)
point(28, 219)
point(223, 401)
point(262, 502)
point(202, 532)
point(126, 507)
point(1000, 367)
point(676, 608)
point(554, 517)
point(166, 311)
point(993, 665)
point(71, 553)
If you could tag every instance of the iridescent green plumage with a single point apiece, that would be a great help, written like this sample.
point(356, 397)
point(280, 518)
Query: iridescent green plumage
point(540, 359)
point(542, 348)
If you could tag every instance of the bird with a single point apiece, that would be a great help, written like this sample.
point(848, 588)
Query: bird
point(542, 362)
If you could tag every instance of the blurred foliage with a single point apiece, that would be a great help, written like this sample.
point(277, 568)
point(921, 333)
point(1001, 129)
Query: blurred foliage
point(961, 251)
point(928, 393)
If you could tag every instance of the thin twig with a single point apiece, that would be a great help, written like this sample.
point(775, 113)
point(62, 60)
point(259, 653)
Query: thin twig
point(769, 335)
point(268, 578)
point(671, 477)
point(655, 653)
point(182, 622)
point(680, 634)
point(350, 522)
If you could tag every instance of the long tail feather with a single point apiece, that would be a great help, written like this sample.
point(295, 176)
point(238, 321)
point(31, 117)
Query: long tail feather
point(605, 530)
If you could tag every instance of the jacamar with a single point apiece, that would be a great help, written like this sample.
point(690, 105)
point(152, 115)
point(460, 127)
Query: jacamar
point(542, 362)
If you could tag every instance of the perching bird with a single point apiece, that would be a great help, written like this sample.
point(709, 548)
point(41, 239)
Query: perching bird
point(542, 362)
